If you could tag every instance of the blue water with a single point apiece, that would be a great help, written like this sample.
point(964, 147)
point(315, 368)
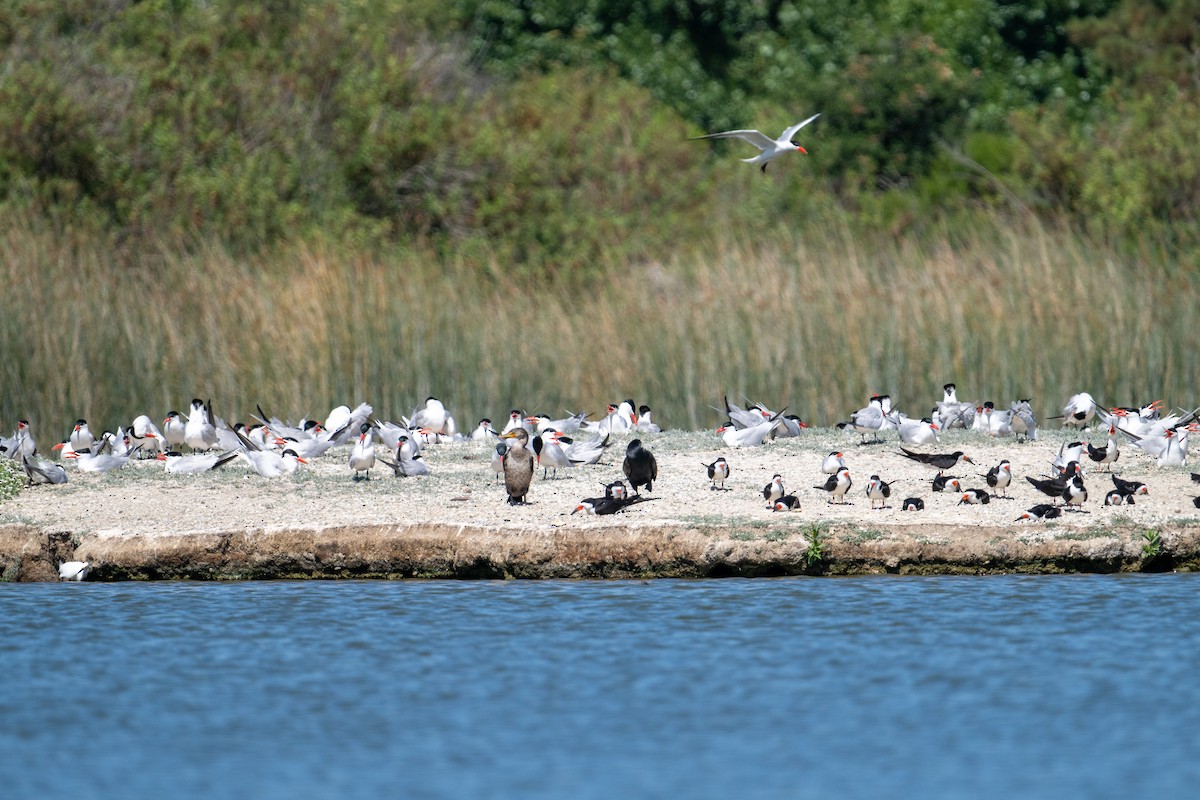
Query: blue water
point(989, 687)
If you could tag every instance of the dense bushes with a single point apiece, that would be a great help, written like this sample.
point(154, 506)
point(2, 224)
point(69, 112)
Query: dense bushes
point(545, 133)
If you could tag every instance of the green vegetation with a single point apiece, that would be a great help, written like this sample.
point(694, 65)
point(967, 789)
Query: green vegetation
point(302, 204)
point(12, 479)
point(1153, 545)
point(816, 546)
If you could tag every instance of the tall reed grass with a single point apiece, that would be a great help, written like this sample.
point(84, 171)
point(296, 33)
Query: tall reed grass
point(815, 320)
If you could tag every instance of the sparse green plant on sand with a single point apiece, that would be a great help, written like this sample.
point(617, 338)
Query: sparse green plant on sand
point(816, 546)
point(1152, 546)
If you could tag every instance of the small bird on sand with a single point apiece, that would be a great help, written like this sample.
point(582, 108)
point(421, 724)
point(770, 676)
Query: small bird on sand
point(609, 504)
point(771, 148)
point(938, 461)
point(1051, 487)
point(773, 490)
point(362, 455)
point(200, 432)
point(407, 464)
point(1108, 454)
point(789, 502)
point(718, 472)
point(639, 466)
point(38, 470)
point(1075, 493)
point(837, 486)
point(999, 477)
point(912, 504)
point(878, 490)
point(1129, 487)
point(943, 482)
point(1041, 511)
point(832, 463)
point(1116, 498)
point(975, 497)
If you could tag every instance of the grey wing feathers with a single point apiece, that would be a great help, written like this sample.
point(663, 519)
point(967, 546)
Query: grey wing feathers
point(756, 138)
point(790, 132)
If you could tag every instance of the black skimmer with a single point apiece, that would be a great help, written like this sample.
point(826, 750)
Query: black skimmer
point(1075, 493)
point(878, 490)
point(1051, 487)
point(773, 490)
point(789, 502)
point(608, 504)
point(1078, 411)
point(913, 504)
point(999, 477)
point(975, 497)
point(943, 482)
point(1041, 511)
point(938, 461)
point(718, 472)
point(1108, 454)
point(1129, 487)
point(837, 486)
point(1116, 498)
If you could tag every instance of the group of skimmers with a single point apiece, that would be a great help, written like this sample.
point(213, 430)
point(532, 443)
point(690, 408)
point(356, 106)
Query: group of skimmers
point(271, 447)
point(1162, 436)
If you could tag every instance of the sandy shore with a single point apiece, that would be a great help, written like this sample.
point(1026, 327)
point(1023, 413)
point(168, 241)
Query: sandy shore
point(141, 523)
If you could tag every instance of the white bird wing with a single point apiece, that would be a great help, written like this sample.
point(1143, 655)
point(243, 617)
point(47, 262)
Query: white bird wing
point(790, 132)
point(756, 138)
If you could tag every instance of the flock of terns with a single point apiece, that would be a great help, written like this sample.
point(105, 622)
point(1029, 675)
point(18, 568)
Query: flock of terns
point(272, 448)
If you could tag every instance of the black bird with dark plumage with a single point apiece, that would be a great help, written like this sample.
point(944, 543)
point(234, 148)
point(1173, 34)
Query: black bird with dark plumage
point(1129, 487)
point(518, 466)
point(640, 466)
point(939, 461)
point(1051, 487)
point(913, 504)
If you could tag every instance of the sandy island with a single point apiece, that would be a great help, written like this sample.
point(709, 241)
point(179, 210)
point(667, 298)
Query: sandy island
point(143, 524)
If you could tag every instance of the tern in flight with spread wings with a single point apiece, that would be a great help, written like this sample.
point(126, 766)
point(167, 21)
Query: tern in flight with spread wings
point(771, 148)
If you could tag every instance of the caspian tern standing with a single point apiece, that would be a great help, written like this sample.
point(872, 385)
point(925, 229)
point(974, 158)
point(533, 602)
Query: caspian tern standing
point(173, 430)
point(362, 455)
point(200, 433)
point(146, 436)
point(485, 432)
point(771, 148)
point(918, 431)
point(82, 437)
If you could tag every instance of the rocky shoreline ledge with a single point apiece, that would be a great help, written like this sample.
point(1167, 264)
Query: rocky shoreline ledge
point(651, 551)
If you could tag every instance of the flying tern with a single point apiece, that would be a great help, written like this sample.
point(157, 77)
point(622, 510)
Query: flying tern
point(771, 148)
